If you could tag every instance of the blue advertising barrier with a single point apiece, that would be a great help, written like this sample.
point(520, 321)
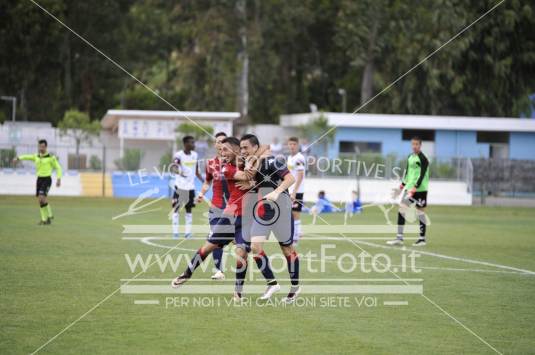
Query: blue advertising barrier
point(131, 184)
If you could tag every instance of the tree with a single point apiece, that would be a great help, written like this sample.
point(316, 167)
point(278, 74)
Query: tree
point(320, 132)
point(130, 161)
point(198, 131)
point(267, 57)
point(78, 126)
point(361, 31)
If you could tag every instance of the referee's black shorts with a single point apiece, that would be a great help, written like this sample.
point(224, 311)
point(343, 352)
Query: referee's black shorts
point(43, 185)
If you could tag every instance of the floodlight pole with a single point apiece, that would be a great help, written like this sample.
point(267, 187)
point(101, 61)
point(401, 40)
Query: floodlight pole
point(13, 100)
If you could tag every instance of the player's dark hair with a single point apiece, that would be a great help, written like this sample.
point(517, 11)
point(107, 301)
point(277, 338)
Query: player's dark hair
point(43, 141)
point(251, 138)
point(187, 139)
point(416, 138)
point(293, 139)
point(219, 134)
point(232, 141)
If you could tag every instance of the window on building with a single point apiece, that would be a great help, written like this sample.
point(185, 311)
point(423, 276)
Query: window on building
point(425, 134)
point(492, 137)
point(360, 147)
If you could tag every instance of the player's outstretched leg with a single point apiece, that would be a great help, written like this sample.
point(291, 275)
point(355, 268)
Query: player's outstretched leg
point(292, 260)
point(194, 263)
point(217, 254)
point(262, 261)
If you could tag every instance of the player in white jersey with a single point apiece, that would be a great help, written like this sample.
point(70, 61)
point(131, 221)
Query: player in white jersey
point(296, 164)
point(187, 168)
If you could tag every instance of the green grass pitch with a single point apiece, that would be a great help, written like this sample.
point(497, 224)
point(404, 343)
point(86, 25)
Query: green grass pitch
point(51, 276)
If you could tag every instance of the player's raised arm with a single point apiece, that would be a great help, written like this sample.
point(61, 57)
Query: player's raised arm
point(249, 170)
point(31, 157)
point(242, 176)
point(252, 162)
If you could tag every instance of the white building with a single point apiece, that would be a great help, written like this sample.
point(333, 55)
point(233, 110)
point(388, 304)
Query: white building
point(154, 132)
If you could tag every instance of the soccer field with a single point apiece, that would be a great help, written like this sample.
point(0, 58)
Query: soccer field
point(61, 288)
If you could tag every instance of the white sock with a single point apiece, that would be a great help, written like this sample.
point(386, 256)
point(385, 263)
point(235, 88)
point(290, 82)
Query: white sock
point(297, 230)
point(175, 222)
point(189, 219)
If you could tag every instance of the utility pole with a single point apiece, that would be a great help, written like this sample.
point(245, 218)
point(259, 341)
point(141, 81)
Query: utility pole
point(13, 100)
point(343, 93)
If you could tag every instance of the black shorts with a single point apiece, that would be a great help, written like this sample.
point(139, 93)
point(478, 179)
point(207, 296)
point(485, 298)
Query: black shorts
point(419, 198)
point(228, 229)
point(297, 205)
point(43, 185)
point(184, 198)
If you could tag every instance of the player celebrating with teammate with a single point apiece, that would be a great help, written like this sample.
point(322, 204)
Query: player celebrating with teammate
point(220, 196)
point(296, 164)
point(415, 182)
point(229, 224)
point(272, 213)
point(184, 190)
point(45, 163)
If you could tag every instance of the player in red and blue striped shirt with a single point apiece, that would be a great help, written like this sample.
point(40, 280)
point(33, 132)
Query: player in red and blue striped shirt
point(220, 195)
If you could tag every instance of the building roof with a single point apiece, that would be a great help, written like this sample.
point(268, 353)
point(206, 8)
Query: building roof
point(459, 123)
point(111, 117)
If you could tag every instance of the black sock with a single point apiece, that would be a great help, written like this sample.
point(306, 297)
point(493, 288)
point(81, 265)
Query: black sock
point(241, 272)
point(401, 223)
point(217, 254)
point(423, 225)
point(196, 260)
point(293, 268)
point(262, 261)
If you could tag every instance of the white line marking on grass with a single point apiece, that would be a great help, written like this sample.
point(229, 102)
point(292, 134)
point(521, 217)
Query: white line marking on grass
point(335, 229)
point(279, 279)
point(148, 241)
point(97, 305)
point(395, 303)
point(221, 288)
point(147, 301)
point(428, 299)
point(447, 257)
point(315, 239)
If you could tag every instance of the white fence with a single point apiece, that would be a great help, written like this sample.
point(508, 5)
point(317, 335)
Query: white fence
point(379, 191)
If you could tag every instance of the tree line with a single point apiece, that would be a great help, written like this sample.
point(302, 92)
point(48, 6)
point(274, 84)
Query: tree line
point(266, 57)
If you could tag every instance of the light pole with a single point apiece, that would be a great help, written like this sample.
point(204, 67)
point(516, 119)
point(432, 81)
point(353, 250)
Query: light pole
point(343, 93)
point(13, 100)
